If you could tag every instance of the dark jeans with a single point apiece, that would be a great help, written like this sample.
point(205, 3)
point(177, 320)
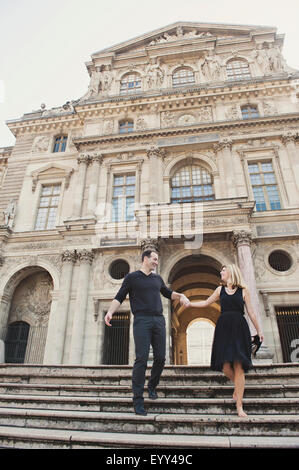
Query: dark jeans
point(148, 330)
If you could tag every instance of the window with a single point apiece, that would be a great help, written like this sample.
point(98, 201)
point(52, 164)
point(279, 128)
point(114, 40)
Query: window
point(130, 83)
point(183, 77)
point(237, 70)
point(123, 198)
point(264, 186)
point(126, 126)
point(47, 210)
point(192, 184)
point(250, 112)
point(280, 260)
point(16, 342)
point(60, 143)
point(119, 269)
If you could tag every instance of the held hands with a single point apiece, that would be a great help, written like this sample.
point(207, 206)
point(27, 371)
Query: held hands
point(184, 301)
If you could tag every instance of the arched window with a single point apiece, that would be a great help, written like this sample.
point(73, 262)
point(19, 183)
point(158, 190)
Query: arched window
point(237, 69)
point(130, 83)
point(16, 342)
point(60, 143)
point(126, 126)
point(191, 184)
point(249, 111)
point(183, 76)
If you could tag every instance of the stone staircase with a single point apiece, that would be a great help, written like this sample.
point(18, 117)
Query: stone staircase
point(71, 407)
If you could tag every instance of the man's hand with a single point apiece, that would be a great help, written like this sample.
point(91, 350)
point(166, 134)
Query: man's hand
point(108, 318)
point(184, 300)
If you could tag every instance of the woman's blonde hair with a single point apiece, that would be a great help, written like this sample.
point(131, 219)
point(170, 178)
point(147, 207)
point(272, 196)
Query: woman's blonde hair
point(235, 275)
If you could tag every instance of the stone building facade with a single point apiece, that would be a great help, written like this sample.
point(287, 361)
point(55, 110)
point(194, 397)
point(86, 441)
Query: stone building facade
point(186, 141)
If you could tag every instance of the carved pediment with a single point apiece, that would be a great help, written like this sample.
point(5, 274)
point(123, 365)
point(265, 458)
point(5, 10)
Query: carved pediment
point(53, 172)
point(183, 31)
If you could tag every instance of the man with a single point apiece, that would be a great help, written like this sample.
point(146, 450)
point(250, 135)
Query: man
point(144, 287)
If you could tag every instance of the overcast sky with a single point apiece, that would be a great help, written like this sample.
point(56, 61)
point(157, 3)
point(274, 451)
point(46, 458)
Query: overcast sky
point(44, 44)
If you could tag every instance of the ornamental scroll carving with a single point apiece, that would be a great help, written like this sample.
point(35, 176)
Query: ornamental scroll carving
point(32, 300)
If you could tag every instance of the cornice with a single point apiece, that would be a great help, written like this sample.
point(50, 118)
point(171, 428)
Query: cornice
point(158, 101)
point(220, 126)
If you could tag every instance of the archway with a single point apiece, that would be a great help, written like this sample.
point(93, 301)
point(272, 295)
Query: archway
point(28, 308)
point(200, 334)
point(196, 276)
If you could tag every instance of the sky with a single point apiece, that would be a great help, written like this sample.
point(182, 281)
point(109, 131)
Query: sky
point(44, 44)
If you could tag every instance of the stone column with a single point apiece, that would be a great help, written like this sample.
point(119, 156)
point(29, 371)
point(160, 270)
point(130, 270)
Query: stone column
point(224, 147)
point(242, 242)
point(83, 161)
point(97, 160)
point(155, 155)
point(54, 348)
point(289, 138)
point(85, 258)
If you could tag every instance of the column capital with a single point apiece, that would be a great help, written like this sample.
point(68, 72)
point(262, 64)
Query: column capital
point(223, 143)
point(150, 243)
point(85, 256)
point(241, 237)
point(289, 136)
point(155, 151)
point(69, 256)
point(84, 158)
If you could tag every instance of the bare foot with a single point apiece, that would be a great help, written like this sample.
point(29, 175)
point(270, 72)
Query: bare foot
point(234, 396)
point(241, 413)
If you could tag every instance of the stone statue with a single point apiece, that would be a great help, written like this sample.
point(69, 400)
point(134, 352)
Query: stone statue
point(154, 74)
point(9, 214)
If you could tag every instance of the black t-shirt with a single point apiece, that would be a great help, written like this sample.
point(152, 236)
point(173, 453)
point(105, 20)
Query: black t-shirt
point(144, 292)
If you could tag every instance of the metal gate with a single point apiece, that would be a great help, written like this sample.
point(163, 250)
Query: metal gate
point(288, 327)
point(116, 340)
point(16, 342)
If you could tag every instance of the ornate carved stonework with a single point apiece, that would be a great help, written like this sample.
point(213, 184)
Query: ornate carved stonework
point(32, 299)
point(149, 243)
point(241, 237)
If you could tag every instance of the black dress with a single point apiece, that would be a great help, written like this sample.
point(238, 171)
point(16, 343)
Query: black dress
point(232, 339)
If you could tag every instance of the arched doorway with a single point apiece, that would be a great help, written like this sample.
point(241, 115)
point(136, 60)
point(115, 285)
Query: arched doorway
point(27, 320)
point(16, 342)
point(196, 276)
point(200, 334)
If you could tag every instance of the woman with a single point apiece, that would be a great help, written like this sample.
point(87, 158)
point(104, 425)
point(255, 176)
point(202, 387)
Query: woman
point(231, 350)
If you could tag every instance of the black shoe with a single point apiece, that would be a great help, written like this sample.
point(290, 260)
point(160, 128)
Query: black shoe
point(152, 394)
point(255, 344)
point(139, 407)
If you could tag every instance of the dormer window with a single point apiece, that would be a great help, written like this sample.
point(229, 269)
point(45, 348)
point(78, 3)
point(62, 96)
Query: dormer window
point(250, 111)
point(237, 69)
point(126, 126)
point(183, 76)
point(60, 143)
point(130, 83)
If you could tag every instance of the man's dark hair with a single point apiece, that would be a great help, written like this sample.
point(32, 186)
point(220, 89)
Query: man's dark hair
point(147, 253)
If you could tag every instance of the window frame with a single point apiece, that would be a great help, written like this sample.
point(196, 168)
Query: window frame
point(128, 90)
point(264, 185)
point(251, 113)
point(128, 126)
point(124, 174)
point(42, 186)
point(232, 77)
point(185, 83)
point(63, 143)
point(193, 198)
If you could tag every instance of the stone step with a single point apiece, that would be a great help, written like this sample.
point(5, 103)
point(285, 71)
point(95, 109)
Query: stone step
point(165, 391)
point(274, 406)
point(153, 423)
point(117, 375)
point(36, 438)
